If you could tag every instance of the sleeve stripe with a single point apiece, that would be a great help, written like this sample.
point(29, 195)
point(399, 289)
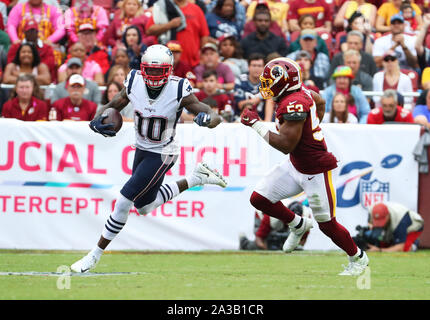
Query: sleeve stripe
point(130, 82)
point(180, 86)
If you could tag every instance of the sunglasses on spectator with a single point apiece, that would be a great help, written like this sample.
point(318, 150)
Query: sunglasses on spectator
point(386, 59)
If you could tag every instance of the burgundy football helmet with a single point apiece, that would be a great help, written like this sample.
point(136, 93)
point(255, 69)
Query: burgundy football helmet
point(280, 75)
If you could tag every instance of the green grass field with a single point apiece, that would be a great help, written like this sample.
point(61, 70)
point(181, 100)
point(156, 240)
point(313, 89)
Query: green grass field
point(216, 275)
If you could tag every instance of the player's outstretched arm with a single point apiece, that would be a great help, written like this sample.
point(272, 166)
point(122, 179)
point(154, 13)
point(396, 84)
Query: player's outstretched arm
point(290, 131)
point(205, 116)
point(119, 102)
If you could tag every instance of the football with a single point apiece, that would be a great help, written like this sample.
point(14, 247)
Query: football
point(113, 116)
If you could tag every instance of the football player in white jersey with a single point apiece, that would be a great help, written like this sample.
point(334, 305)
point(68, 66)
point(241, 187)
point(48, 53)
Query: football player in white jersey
point(158, 99)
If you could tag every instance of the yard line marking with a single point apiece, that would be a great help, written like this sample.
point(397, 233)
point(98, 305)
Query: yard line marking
point(72, 274)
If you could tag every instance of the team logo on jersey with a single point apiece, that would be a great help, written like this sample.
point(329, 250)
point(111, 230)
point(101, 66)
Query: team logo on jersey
point(374, 191)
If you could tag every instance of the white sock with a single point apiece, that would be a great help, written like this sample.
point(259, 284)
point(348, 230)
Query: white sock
point(193, 181)
point(357, 255)
point(295, 221)
point(117, 218)
point(169, 191)
point(97, 252)
point(166, 193)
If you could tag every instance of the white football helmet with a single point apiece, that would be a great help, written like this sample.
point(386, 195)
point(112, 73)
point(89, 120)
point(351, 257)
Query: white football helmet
point(156, 65)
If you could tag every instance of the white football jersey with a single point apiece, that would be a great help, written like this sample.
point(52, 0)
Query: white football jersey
point(155, 119)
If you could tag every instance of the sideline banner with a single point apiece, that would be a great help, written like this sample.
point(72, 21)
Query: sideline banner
point(59, 181)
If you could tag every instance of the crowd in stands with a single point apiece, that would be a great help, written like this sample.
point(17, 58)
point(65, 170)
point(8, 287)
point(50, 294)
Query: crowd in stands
point(63, 59)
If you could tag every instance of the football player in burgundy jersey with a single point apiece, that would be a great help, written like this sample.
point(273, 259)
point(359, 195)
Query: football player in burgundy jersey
point(309, 165)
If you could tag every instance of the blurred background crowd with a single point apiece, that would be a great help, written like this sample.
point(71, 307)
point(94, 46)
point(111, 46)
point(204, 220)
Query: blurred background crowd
point(370, 60)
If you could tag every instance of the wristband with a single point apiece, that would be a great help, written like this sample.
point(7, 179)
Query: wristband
point(260, 128)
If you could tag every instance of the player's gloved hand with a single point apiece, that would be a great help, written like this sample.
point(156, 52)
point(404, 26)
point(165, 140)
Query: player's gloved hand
point(98, 126)
point(249, 117)
point(203, 119)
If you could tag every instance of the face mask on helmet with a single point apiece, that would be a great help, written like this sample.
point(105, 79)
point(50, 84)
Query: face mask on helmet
point(156, 66)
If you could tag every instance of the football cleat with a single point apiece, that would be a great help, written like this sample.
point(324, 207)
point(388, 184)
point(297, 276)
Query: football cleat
point(85, 264)
point(208, 176)
point(296, 235)
point(356, 266)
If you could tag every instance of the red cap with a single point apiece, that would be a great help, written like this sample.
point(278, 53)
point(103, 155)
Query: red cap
point(31, 24)
point(380, 215)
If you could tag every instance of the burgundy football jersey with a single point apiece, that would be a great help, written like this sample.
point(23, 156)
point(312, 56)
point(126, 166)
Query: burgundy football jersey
point(310, 155)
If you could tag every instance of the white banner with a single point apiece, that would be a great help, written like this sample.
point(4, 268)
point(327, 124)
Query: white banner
point(59, 180)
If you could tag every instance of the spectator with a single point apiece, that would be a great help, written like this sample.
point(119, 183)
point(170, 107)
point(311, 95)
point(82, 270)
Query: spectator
point(423, 52)
point(307, 21)
point(263, 40)
point(250, 24)
point(231, 54)
point(348, 8)
point(27, 60)
point(354, 41)
point(192, 37)
point(132, 39)
point(75, 107)
point(389, 9)
point(46, 52)
point(91, 69)
point(318, 8)
point(83, 12)
point(320, 61)
point(118, 74)
point(246, 92)
point(239, 7)
point(352, 59)
point(130, 13)
point(278, 12)
point(91, 92)
point(49, 18)
point(120, 58)
point(411, 20)
point(400, 227)
point(94, 51)
point(421, 112)
point(210, 90)
point(358, 24)
point(180, 69)
point(112, 89)
point(339, 111)
point(392, 78)
point(402, 43)
point(210, 61)
point(357, 102)
point(389, 111)
point(222, 20)
point(304, 59)
point(271, 233)
point(25, 103)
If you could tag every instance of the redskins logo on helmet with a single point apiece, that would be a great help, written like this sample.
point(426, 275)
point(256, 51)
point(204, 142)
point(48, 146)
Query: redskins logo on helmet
point(280, 75)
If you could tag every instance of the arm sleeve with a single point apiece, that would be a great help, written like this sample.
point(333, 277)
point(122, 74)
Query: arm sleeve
point(57, 21)
point(13, 22)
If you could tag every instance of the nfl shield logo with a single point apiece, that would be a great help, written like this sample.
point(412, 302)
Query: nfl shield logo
point(374, 191)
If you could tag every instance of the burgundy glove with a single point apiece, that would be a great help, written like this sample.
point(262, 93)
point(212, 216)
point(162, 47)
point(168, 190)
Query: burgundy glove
point(249, 117)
